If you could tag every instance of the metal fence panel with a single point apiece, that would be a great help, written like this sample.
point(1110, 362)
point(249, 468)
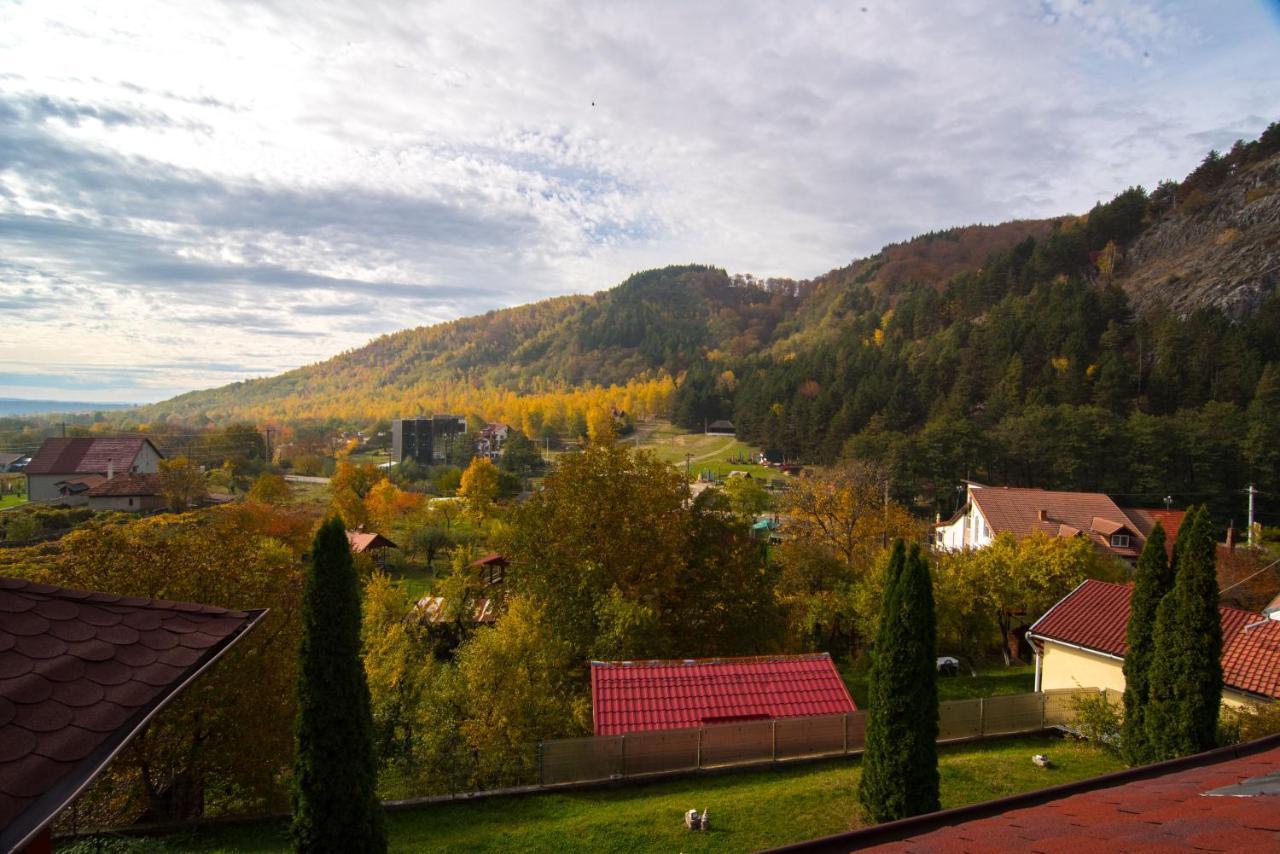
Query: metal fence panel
point(730, 744)
point(574, 760)
point(815, 736)
point(1059, 705)
point(660, 750)
point(1012, 713)
point(959, 719)
point(855, 727)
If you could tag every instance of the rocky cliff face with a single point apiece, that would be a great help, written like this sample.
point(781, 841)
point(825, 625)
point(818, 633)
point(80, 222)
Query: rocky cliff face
point(1223, 250)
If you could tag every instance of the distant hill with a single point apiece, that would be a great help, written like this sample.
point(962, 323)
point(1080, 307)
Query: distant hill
point(21, 406)
point(1211, 241)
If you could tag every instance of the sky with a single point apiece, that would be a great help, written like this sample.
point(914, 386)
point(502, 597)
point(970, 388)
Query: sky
point(197, 193)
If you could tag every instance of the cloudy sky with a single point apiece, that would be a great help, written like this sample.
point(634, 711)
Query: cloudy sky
point(194, 193)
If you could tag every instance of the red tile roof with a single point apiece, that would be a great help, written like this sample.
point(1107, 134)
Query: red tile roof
point(1017, 511)
point(1253, 658)
point(1169, 811)
point(363, 541)
point(127, 484)
point(80, 674)
point(1170, 520)
point(1096, 614)
point(632, 696)
point(85, 456)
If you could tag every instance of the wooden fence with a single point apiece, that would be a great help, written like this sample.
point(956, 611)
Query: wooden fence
point(619, 757)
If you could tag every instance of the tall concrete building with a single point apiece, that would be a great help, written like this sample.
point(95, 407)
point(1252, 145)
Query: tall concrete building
point(425, 440)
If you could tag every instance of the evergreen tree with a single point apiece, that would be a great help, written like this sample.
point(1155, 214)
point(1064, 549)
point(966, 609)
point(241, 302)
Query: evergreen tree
point(1185, 678)
point(335, 804)
point(900, 762)
point(1153, 579)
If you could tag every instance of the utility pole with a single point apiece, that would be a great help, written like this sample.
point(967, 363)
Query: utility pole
point(64, 429)
point(1252, 492)
point(268, 445)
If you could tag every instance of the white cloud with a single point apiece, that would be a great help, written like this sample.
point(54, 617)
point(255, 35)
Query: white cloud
point(182, 182)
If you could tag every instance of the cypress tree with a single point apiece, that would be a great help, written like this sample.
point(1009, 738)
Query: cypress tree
point(900, 759)
point(1153, 579)
point(335, 802)
point(1185, 678)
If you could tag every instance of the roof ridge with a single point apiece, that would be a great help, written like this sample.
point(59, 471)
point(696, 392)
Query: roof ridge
point(724, 659)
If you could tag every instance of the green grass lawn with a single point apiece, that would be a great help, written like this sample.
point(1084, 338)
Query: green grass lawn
point(12, 501)
point(717, 453)
point(748, 810)
point(991, 681)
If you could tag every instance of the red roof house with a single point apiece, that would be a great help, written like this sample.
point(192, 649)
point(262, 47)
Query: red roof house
point(1092, 619)
point(633, 696)
point(81, 674)
point(1222, 800)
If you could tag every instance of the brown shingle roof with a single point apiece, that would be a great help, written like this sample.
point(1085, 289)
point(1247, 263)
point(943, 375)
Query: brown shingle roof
point(85, 456)
point(363, 541)
point(1017, 511)
point(127, 484)
point(1096, 615)
point(80, 674)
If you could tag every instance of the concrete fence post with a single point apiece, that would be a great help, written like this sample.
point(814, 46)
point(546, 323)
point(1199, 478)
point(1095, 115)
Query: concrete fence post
point(698, 762)
point(845, 731)
point(773, 737)
point(622, 756)
point(982, 716)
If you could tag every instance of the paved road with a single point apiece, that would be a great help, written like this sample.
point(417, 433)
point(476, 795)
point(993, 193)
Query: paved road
point(302, 478)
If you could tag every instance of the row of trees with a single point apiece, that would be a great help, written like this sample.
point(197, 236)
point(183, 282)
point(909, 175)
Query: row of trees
point(1173, 664)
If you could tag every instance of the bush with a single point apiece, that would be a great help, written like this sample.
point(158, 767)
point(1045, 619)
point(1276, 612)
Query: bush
point(1097, 719)
point(1248, 723)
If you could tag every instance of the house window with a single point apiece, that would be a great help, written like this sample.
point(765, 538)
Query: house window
point(1119, 541)
point(130, 502)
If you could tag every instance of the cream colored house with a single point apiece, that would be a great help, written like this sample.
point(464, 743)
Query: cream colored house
point(1080, 642)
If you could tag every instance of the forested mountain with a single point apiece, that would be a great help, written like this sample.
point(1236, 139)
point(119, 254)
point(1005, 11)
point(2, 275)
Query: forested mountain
point(1133, 349)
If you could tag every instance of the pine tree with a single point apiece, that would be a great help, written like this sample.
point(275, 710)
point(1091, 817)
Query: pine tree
point(900, 761)
point(1185, 678)
point(1153, 579)
point(335, 804)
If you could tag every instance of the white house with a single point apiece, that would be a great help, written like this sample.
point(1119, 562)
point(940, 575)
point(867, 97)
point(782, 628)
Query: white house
point(61, 460)
point(992, 510)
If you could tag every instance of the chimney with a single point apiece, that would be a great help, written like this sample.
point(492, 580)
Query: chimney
point(111, 469)
point(1231, 538)
point(1042, 515)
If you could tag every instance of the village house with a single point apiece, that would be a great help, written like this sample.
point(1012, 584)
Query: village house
point(13, 462)
point(992, 510)
point(635, 696)
point(62, 462)
point(492, 438)
point(132, 493)
point(1080, 643)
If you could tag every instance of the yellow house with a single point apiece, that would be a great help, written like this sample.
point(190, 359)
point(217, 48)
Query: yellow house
point(1080, 641)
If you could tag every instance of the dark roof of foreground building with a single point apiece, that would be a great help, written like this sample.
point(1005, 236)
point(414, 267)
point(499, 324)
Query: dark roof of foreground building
point(633, 696)
point(1095, 616)
point(81, 674)
point(86, 456)
point(1223, 800)
point(128, 485)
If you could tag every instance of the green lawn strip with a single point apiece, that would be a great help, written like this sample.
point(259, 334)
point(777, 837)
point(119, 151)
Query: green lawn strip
point(12, 500)
point(990, 682)
point(749, 810)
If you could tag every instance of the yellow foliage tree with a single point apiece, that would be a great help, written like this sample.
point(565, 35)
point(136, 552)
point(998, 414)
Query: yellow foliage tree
point(479, 486)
